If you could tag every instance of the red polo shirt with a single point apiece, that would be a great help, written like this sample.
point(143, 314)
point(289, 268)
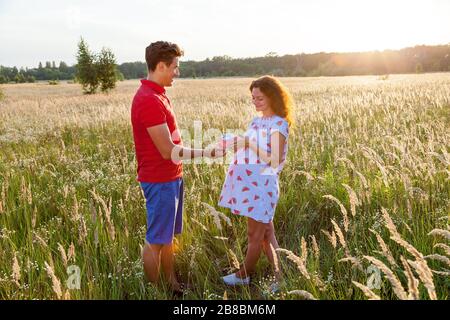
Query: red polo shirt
point(151, 107)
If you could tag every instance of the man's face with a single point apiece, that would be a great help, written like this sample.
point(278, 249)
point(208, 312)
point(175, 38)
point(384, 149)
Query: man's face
point(168, 73)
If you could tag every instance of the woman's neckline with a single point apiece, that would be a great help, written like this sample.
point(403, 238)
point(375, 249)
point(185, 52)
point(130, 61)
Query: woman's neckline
point(267, 117)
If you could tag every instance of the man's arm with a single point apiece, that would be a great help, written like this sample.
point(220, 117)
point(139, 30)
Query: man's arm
point(160, 135)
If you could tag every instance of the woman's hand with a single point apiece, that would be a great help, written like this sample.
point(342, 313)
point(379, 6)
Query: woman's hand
point(241, 143)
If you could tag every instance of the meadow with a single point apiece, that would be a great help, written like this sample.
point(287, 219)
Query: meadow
point(363, 212)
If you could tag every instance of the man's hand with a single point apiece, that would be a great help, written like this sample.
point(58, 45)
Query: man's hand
point(241, 143)
point(214, 151)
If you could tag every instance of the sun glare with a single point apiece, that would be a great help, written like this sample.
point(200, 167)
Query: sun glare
point(362, 26)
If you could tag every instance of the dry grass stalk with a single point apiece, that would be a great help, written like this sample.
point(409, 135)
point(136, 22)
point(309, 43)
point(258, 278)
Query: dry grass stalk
point(440, 232)
point(34, 218)
point(354, 201)
point(297, 260)
point(234, 259)
point(16, 270)
point(56, 284)
point(355, 262)
point(442, 273)
point(413, 283)
point(107, 213)
point(426, 276)
point(384, 248)
point(220, 238)
point(304, 247)
point(63, 254)
point(366, 290)
point(331, 237)
point(82, 230)
point(348, 162)
point(315, 247)
point(216, 215)
point(396, 284)
point(407, 227)
point(276, 264)
point(200, 224)
point(365, 184)
point(389, 223)
point(40, 240)
point(342, 208)
point(420, 265)
point(443, 246)
point(307, 175)
point(439, 257)
point(3, 198)
point(339, 234)
point(71, 252)
point(67, 295)
point(302, 293)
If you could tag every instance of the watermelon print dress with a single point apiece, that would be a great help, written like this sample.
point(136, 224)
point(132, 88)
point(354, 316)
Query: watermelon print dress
point(251, 186)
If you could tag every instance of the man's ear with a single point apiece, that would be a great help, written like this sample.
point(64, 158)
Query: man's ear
point(160, 66)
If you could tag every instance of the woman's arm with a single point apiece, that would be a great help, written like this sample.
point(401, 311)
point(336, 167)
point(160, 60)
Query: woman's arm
point(273, 158)
point(161, 137)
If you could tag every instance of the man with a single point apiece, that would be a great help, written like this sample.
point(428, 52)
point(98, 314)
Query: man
point(159, 152)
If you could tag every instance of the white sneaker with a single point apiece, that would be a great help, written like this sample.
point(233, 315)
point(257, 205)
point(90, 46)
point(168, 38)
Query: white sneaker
point(233, 280)
point(274, 288)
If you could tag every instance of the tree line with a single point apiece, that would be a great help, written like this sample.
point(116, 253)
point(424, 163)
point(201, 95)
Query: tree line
point(49, 71)
point(409, 60)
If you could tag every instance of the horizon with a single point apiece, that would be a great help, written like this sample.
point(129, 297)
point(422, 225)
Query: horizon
point(235, 58)
point(286, 27)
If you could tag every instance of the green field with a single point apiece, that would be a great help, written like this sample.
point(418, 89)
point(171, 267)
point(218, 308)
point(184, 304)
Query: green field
point(366, 185)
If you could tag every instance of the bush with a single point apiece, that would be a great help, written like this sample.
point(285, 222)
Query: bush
point(3, 79)
point(53, 82)
point(384, 77)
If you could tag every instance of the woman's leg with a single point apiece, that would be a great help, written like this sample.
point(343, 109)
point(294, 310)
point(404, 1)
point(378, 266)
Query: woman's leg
point(255, 235)
point(270, 244)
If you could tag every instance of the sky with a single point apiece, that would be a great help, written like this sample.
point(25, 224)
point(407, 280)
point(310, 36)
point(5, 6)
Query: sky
point(49, 30)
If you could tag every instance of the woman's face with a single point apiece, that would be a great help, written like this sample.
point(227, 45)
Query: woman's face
point(260, 100)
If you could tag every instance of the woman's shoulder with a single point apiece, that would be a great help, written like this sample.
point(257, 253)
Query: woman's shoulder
point(279, 121)
point(254, 121)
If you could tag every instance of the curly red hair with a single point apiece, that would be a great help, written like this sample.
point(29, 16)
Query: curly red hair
point(280, 99)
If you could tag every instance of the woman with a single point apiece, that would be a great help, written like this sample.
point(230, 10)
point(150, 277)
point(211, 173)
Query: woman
point(251, 187)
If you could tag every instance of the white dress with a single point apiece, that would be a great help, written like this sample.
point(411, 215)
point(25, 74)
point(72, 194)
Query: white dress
point(251, 186)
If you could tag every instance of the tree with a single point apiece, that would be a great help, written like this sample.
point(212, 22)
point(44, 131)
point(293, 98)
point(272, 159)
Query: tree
point(63, 67)
point(3, 79)
point(86, 69)
point(20, 78)
point(419, 68)
point(40, 65)
point(106, 70)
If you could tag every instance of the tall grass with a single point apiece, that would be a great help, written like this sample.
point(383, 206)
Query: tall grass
point(365, 187)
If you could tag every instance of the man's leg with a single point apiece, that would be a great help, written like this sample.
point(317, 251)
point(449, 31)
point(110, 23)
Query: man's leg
point(167, 261)
point(151, 258)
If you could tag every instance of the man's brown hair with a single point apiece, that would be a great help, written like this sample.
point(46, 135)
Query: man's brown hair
point(161, 51)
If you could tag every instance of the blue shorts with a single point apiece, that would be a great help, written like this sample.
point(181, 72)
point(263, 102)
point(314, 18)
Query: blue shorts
point(164, 202)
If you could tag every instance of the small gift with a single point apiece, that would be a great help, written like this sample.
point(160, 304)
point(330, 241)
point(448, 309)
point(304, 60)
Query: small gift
point(228, 140)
